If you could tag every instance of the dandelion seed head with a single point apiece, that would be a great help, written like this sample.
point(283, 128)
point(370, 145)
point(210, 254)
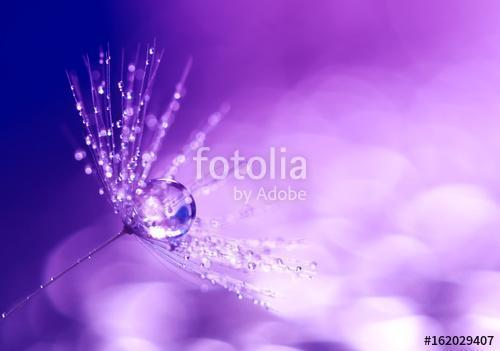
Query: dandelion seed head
point(124, 146)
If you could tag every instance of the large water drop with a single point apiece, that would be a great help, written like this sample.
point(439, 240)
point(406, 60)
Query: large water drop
point(163, 209)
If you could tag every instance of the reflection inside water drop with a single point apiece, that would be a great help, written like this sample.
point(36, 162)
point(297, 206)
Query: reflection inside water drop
point(163, 209)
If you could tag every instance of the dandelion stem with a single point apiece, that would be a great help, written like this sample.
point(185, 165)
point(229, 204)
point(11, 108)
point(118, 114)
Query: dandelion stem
point(56, 277)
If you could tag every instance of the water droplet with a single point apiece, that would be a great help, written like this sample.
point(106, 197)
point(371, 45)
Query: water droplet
point(205, 263)
point(160, 210)
point(214, 119)
point(131, 68)
point(4, 315)
point(88, 169)
point(101, 191)
point(129, 111)
point(200, 136)
point(80, 154)
point(251, 266)
point(180, 159)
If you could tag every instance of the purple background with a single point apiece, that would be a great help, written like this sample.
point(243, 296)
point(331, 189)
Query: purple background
point(393, 103)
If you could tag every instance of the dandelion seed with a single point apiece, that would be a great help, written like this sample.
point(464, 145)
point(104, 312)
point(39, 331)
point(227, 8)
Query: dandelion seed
point(161, 213)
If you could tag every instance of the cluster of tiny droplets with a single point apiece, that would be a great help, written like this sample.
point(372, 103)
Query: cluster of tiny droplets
point(123, 151)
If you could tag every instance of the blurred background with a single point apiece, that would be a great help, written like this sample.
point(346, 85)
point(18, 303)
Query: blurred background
point(393, 103)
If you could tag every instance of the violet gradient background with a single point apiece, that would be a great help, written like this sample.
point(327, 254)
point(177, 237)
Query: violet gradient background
point(395, 105)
